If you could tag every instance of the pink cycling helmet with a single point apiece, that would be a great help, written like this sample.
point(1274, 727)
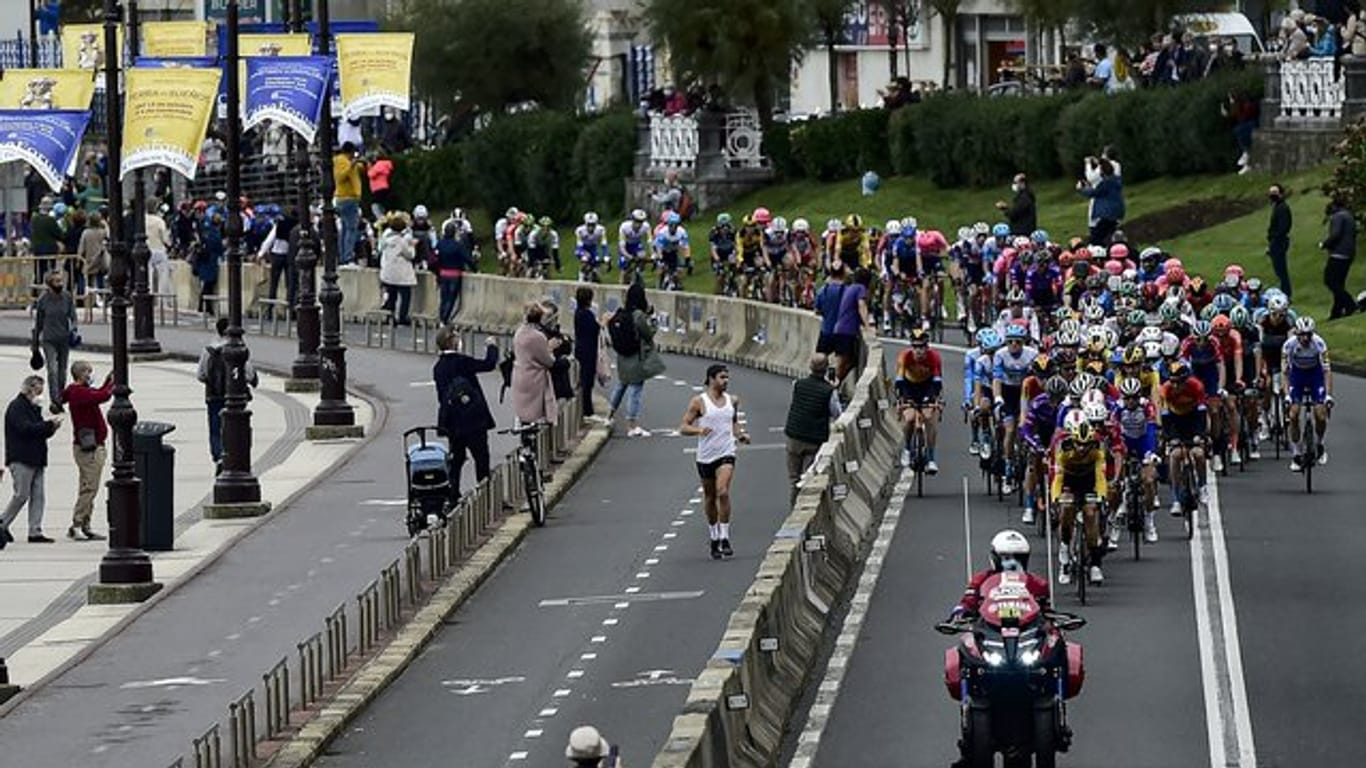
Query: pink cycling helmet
point(761, 216)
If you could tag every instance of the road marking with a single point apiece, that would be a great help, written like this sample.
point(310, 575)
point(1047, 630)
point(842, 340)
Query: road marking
point(417, 384)
point(1227, 716)
point(808, 744)
point(652, 561)
point(637, 596)
point(598, 639)
point(517, 756)
point(384, 503)
point(695, 500)
point(621, 606)
point(547, 712)
point(669, 535)
point(587, 656)
point(610, 622)
point(474, 686)
point(676, 523)
point(632, 590)
point(686, 512)
point(653, 677)
point(643, 575)
point(574, 674)
point(170, 681)
point(533, 733)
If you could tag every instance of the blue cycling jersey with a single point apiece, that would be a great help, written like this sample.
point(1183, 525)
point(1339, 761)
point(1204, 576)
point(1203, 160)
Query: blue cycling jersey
point(1011, 369)
point(977, 372)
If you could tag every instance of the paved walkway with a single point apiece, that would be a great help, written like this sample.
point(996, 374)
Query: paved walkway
point(44, 621)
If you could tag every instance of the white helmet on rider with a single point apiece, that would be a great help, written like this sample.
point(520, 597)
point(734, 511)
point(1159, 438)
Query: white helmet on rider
point(420, 212)
point(893, 227)
point(778, 225)
point(1093, 411)
point(801, 225)
point(639, 214)
point(590, 219)
point(832, 225)
point(1304, 325)
point(1277, 304)
point(1009, 552)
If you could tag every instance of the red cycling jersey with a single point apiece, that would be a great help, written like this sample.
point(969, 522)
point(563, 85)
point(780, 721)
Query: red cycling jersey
point(921, 370)
point(1183, 399)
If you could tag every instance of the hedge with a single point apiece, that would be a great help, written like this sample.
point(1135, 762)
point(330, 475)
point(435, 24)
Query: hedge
point(843, 145)
point(550, 163)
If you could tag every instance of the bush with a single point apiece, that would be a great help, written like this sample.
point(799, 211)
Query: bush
point(777, 147)
point(842, 146)
point(603, 158)
point(901, 138)
point(432, 177)
point(1349, 176)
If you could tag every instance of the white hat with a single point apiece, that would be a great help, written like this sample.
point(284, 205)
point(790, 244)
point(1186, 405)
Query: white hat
point(585, 743)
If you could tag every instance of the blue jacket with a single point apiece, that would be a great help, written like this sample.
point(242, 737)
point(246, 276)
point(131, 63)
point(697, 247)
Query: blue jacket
point(1108, 197)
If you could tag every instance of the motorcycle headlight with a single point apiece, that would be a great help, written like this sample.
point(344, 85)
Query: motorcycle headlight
point(994, 658)
point(1029, 657)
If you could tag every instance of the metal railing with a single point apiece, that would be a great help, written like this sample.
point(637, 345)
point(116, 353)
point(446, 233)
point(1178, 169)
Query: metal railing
point(327, 658)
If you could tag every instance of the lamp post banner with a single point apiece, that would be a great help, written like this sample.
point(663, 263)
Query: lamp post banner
point(46, 89)
point(375, 71)
point(83, 47)
point(176, 62)
point(48, 140)
point(175, 38)
point(166, 115)
point(289, 90)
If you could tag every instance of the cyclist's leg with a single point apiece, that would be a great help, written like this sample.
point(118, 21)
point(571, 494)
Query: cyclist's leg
point(1293, 420)
point(929, 416)
point(1148, 475)
point(1091, 515)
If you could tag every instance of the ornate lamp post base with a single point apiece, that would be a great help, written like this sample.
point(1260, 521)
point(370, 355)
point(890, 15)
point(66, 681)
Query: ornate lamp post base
point(119, 594)
point(235, 511)
point(303, 385)
point(334, 431)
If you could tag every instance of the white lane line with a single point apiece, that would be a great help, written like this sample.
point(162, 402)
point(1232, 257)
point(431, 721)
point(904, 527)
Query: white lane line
point(561, 602)
point(574, 674)
point(685, 513)
point(533, 733)
point(560, 693)
point(612, 622)
point(517, 756)
point(695, 500)
point(547, 712)
point(809, 742)
point(587, 656)
point(1214, 721)
point(598, 639)
point(669, 535)
point(632, 590)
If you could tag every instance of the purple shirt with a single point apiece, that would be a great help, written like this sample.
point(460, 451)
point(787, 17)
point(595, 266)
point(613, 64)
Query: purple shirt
point(848, 321)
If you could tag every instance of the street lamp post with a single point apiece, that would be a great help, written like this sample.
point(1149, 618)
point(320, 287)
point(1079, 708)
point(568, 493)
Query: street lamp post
point(333, 417)
point(125, 570)
point(304, 371)
point(144, 342)
point(236, 491)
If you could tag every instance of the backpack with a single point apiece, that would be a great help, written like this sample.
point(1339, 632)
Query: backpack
point(216, 375)
point(461, 396)
point(621, 329)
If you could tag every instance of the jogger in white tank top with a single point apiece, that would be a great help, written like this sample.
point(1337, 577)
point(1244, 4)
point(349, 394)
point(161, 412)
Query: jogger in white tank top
point(713, 417)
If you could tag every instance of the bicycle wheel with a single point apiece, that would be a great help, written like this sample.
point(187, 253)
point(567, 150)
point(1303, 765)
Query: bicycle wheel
point(1190, 503)
point(1080, 556)
point(535, 493)
point(1311, 450)
point(1133, 510)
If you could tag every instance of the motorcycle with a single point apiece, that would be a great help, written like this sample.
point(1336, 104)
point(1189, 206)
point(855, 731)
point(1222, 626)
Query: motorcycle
point(1012, 673)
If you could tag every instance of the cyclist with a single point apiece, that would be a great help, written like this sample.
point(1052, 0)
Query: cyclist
point(830, 243)
point(851, 244)
point(919, 384)
point(1231, 355)
point(778, 252)
point(1184, 407)
point(722, 242)
point(542, 246)
point(1205, 356)
point(750, 250)
point(670, 249)
point(1241, 318)
point(1078, 477)
point(1037, 429)
point(504, 238)
point(590, 246)
point(1135, 421)
point(1133, 365)
point(1275, 325)
point(806, 259)
point(632, 236)
point(1010, 366)
point(978, 364)
point(1039, 371)
point(931, 248)
point(1017, 312)
point(1309, 377)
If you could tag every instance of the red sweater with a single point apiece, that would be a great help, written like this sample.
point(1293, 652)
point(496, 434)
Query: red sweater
point(84, 402)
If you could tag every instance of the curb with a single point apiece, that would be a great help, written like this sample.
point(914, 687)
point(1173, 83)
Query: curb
point(376, 674)
point(380, 417)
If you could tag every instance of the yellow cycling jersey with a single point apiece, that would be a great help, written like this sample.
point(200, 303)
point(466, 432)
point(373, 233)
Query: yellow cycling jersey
point(853, 247)
point(749, 242)
point(1075, 462)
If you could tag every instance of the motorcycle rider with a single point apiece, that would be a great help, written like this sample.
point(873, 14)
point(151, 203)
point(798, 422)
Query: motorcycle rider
point(1009, 552)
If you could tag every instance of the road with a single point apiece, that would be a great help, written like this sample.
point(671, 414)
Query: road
point(1154, 695)
point(138, 699)
point(604, 617)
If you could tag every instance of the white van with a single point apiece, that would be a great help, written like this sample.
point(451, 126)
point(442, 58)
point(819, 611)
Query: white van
point(1227, 26)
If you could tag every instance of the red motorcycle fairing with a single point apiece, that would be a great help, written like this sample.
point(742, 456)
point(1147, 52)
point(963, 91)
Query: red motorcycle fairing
point(953, 674)
point(1076, 670)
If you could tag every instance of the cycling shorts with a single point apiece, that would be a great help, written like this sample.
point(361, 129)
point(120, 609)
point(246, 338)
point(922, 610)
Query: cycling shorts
point(669, 259)
point(933, 264)
point(1140, 446)
point(1079, 484)
point(1184, 427)
point(1010, 409)
point(1208, 376)
point(914, 392)
point(973, 273)
point(1308, 382)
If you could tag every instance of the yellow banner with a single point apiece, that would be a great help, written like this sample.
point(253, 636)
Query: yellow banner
point(46, 89)
point(274, 45)
point(175, 38)
point(166, 114)
point(375, 71)
point(83, 46)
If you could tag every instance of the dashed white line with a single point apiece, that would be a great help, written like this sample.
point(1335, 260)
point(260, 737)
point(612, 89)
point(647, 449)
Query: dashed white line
point(621, 606)
point(534, 733)
point(670, 535)
point(547, 712)
point(652, 561)
point(517, 756)
point(560, 693)
point(610, 622)
point(643, 575)
point(632, 590)
point(598, 639)
point(575, 674)
point(587, 656)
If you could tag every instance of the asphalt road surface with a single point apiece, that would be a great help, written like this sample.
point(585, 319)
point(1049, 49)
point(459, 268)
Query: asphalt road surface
point(1169, 681)
point(603, 617)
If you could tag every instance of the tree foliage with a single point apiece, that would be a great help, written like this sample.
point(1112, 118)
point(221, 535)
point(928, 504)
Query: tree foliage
point(830, 18)
point(1349, 177)
point(1126, 22)
point(498, 53)
point(745, 46)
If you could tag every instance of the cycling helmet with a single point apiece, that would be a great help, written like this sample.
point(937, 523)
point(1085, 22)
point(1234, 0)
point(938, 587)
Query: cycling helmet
point(1065, 259)
point(920, 338)
point(1235, 270)
point(1111, 337)
point(1095, 412)
point(458, 214)
point(512, 212)
point(1095, 313)
point(1152, 351)
point(1066, 359)
point(1131, 387)
point(1198, 284)
point(965, 234)
point(1083, 432)
point(893, 227)
point(761, 215)
point(801, 225)
point(1113, 283)
point(1208, 313)
point(1000, 230)
point(1016, 296)
point(1170, 311)
point(1254, 284)
point(1277, 304)
point(1223, 303)
point(909, 224)
point(672, 218)
point(1149, 255)
point(590, 219)
point(832, 225)
point(1114, 266)
point(1170, 345)
point(1304, 325)
point(1039, 236)
point(1042, 366)
point(546, 221)
point(1016, 333)
point(1221, 324)
point(1176, 293)
point(639, 215)
point(1069, 339)
point(1119, 252)
point(1133, 355)
point(1175, 275)
point(1077, 389)
point(988, 338)
point(1202, 329)
point(1056, 387)
point(1150, 333)
point(1020, 243)
point(853, 221)
point(1179, 369)
point(723, 220)
point(1009, 552)
point(1240, 317)
point(420, 212)
point(779, 224)
point(1138, 318)
point(982, 228)
point(1069, 325)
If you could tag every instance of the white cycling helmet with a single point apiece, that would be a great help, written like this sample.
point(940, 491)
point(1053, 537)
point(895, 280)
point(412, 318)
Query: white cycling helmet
point(1009, 551)
point(893, 227)
point(909, 223)
point(590, 218)
point(832, 225)
point(801, 225)
point(779, 224)
point(965, 234)
point(1304, 324)
point(420, 212)
point(1277, 304)
point(639, 214)
point(1170, 345)
point(1152, 351)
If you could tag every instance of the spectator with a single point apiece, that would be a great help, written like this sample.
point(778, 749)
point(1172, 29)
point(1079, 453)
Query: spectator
point(533, 395)
point(1341, 247)
point(638, 361)
point(670, 198)
point(588, 749)
point(396, 273)
point(827, 305)
point(462, 410)
point(93, 250)
point(814, 403)
point(675, 102)
point(45, 238)
point(274, 148)
point(1193, 59)
point(379, 174)
point(162, 187)
point(393, 137)
point(1325, 38)
point(35, 189)
point(1075, 74)
point(277, 252)
point(453, 261)
point(89, 432)
point(851, 317)
point(207, 261)
point(212, 372)
point(1022, 212)
point(55, 323)
point(1278, 236)
point(347, 165)
point(587, 332)
point(26, 436)
point(159, 244)
point(1354, 32)
point(1294, 41)
point(1107, 197)
point(1242, 111)
point(1100, 76)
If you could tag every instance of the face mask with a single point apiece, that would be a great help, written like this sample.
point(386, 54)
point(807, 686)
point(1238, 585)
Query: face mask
point(1274, 198)
point(1014, 187)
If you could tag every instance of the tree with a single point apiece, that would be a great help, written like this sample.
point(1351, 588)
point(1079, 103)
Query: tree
point(831, 17)
point(1128, 22)
point(901, 16)
point(747, 47)
point(948, 11)
point(498, 53)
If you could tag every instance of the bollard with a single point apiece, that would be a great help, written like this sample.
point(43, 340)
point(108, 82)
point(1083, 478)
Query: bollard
point(335, 626)
point(208, 749)
point(242, 730)
point(367, 606)
point(276, 685)
point(412, 562)
point(393, 594)
point(310, 669)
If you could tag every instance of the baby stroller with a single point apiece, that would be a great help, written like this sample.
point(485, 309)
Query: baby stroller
point(430, 486)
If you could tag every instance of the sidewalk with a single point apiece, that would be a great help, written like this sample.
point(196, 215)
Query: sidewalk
point(44, 621)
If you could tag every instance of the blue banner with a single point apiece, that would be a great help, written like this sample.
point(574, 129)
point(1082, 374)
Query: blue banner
point(176, 62)
point(48, 140)
point(289, 90)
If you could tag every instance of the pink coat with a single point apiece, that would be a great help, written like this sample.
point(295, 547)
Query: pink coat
point(533, 396)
